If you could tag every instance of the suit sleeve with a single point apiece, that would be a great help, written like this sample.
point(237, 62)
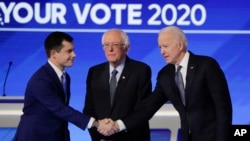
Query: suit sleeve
point(145, 85)
point(88, 107)
point(146, 108)
point(218, 88)
point(46, 92)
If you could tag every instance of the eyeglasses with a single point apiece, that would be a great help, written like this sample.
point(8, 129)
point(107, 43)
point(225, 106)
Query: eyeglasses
point(114, 45)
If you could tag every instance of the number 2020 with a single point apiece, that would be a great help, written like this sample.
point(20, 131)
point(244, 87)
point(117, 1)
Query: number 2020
point(182, 20)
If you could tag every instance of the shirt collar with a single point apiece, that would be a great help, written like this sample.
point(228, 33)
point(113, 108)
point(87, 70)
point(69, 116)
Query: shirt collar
point(184, 61)
point(119, 68)
point(56, 69)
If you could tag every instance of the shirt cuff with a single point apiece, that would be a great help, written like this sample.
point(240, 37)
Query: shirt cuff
point(121, 125)
point(90, 122)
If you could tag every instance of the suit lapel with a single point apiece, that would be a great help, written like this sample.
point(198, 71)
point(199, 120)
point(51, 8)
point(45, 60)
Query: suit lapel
point(122, 80)
point(176, 94)
point(190, 75)
point(53, 75)
point(105, 77)
point(68, 88)
point(55, 78)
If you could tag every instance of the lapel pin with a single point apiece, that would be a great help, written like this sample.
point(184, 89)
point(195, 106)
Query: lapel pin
point(123, 77)
point(191, 67)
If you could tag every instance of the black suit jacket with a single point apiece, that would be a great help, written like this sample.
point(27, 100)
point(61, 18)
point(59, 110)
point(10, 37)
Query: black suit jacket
point(46, 112)
point(208, 111)
point(133, 86)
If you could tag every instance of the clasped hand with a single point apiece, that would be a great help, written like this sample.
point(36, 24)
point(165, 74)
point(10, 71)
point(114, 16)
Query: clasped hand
point(107, 127)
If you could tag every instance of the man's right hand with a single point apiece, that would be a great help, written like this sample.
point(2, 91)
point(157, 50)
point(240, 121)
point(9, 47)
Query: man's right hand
point(107, 127)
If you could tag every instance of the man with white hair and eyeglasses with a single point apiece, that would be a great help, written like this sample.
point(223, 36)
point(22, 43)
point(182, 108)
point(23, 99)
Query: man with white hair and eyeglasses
point(115, 87)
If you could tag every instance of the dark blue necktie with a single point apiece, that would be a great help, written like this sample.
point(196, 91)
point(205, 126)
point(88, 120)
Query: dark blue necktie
point(64, 84)
point(180, 84)
point(112, 85)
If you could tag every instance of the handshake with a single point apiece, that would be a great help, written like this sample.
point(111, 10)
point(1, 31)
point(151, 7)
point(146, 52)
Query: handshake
point(106, 127)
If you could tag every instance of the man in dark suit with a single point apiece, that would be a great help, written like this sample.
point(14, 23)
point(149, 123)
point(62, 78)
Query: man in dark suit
point(46, 110)
point(133, 84)
point(206, 109)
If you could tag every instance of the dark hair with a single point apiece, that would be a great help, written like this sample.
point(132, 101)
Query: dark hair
point(54, 41)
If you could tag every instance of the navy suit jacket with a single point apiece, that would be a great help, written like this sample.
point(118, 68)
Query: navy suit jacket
point(46, 112)
point(207, 114)
point(133, 86)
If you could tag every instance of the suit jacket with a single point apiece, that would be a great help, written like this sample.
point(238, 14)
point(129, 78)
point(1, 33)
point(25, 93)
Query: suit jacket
point(46, 112)
point(207, 114)
point(133, 86)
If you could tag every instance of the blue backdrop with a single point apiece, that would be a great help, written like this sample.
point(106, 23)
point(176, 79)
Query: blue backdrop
point(220, 29)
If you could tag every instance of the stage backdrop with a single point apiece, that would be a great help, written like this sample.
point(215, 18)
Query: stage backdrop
point(220, 29)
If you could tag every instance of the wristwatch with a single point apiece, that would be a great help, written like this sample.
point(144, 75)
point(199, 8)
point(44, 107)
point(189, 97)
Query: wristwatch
point(95, 124)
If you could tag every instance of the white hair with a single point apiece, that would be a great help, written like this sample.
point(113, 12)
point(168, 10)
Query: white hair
point(123, 35)
point(177, 32)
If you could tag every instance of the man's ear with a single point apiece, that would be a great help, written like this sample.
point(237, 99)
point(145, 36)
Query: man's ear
point(180, 45)
point(127, 48)
point(52, 53)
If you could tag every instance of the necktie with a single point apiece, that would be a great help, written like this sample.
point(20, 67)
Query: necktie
point(64, 84)
point(180, 84)
point(112, 85)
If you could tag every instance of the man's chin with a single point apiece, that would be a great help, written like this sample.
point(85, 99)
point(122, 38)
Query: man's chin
point(69, 65)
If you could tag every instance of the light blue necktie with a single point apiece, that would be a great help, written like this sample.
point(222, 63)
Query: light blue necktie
point(180, 84)
point(112, 85)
